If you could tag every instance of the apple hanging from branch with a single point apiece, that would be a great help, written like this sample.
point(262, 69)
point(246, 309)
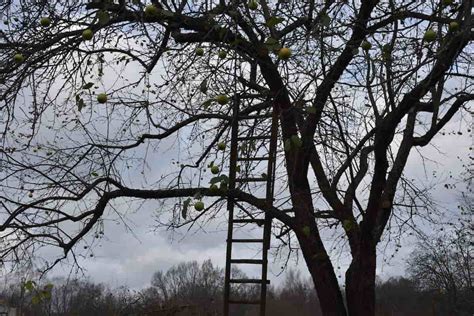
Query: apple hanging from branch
point(102, 98)
point(87, 34)
point(284, 53)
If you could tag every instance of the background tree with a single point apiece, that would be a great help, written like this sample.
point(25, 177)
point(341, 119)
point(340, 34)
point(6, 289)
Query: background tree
point(92, 92)
point(445, 265)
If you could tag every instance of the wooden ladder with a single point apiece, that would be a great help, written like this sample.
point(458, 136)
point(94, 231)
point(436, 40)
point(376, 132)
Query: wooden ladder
point(246, 217)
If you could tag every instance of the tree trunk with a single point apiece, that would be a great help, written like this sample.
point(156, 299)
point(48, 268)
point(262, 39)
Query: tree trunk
point(324, 278)
point(360, 282)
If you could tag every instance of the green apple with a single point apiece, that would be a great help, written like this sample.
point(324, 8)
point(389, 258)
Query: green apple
point(348, 225)
point(430, 35)
point(223, 185)
point(45, 22)
point(214, 188)
point(221, 146)
point(222, 99)
point(453, 26)
point(366, 45)
point(87, 34)
point(102, 98)
point(306, 231)
point(284, 53)
point(199, 206)
point(222, 54)
point(199, 51)
point(296, 141)
point(151, 10)
point(18, 58)
point(214, 169)
point(253, 5)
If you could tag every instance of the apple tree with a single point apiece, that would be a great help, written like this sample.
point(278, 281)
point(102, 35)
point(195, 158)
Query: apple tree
point(92, 93)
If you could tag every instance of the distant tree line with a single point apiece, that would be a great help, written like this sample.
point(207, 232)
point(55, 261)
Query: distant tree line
point(439, 282)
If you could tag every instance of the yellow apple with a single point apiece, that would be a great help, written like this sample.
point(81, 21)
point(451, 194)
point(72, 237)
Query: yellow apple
point(284, 53)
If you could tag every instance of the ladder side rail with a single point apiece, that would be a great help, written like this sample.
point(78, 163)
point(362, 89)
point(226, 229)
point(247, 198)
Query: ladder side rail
point(230, 200)
point(269, 204)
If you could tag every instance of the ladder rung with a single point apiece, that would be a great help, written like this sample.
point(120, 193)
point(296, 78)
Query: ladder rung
point(254, 138)
point(253, 159)
point(248, 220)
point(246, 240)
point(249, 281)
point(244, 302)
point(246, 261)
point(251, 179)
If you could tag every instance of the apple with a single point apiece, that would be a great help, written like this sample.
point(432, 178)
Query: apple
point(151, 10)
point(199, 51)
point(453, 26)
point(223, 186)
point(348, 224)
point(284, 53)
point(306, 231)
point(102, 98)
point(45, 22)
point(222, 54)
point(221, 146)
point(214, 188)
point(214, 169)
point(366, 45)
point(295, 140)
point(87, 34)
point(252, 5)
point(430, 35)
point(18, 58)
point(199, 206)
point(222, 99)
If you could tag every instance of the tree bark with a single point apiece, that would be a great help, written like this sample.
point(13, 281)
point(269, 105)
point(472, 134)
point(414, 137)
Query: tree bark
point(317, 260)
point(360, 281)
point(324, 279)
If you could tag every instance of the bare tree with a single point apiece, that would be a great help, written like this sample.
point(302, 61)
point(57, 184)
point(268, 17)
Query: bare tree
point(357, 86)
point(445, 265)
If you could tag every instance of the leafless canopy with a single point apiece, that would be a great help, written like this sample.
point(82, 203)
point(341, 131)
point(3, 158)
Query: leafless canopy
point(368, 83)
